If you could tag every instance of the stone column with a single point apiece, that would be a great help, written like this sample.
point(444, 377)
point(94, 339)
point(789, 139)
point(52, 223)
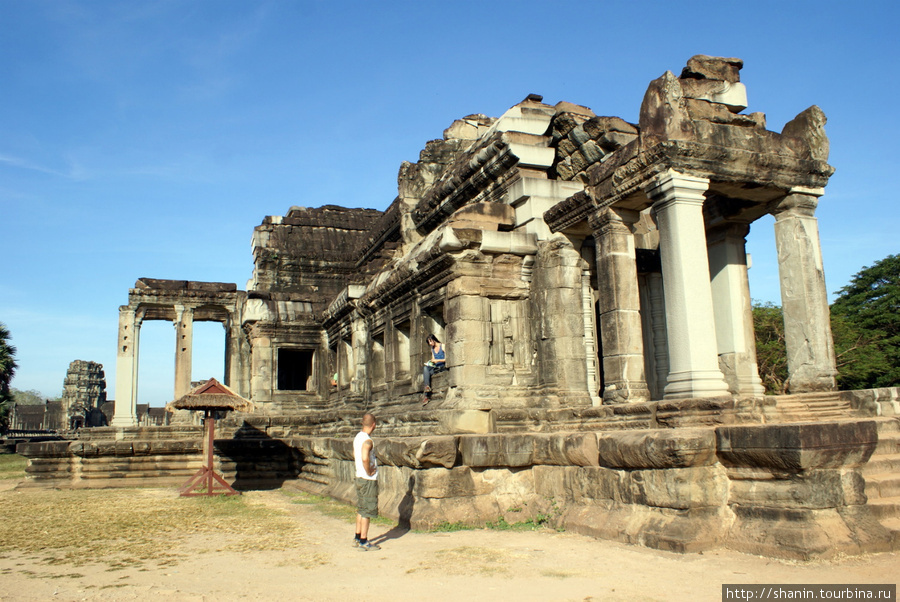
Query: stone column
point(359, 383)
point(804, 300)
point(655, 343)
point(736, 341)
point(262, 364)
point(232, 369)
point(590, 337)
point(184, 335)
point(620, 307)
point(127, 368)
point(690, 328)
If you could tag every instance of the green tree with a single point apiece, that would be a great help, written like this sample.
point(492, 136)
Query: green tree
point(870, 307)
point(7, 370)
point(771, 352)
point(27, 398)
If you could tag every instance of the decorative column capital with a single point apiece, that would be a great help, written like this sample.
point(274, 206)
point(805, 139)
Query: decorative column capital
point(736, 231)
point(800, 202)
point(604, 218)
point(672, 186)
point(134, 314)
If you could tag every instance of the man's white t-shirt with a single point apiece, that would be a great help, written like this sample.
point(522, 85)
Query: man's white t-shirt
point(362, 437)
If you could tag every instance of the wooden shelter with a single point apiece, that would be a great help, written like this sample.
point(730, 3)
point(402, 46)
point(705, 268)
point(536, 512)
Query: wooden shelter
point(210, 397)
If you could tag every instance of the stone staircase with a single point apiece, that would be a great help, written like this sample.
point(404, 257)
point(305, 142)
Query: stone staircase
point(882, 475)
point(811, 407)
point(881, 472)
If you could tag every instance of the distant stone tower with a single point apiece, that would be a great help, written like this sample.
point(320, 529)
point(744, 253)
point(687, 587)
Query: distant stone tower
point(84, 393)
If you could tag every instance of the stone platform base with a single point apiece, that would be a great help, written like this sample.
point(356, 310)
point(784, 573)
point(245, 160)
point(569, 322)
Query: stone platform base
point(791, 490)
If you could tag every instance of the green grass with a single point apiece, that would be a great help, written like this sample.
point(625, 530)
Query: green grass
point(447, 527)
point(532, 524)
point(541, 521)
point(12, 466)
point(331, 507)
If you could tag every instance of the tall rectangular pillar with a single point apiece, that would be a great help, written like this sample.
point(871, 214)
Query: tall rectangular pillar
point(184, 341)
point(127, 368)
point(733, 310)
point(804, 299)
point(621, 332)
point(690, 327)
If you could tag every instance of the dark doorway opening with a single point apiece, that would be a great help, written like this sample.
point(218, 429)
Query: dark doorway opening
point(295, 369)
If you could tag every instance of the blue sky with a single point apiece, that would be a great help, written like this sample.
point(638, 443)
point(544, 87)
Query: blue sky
point(150, 138)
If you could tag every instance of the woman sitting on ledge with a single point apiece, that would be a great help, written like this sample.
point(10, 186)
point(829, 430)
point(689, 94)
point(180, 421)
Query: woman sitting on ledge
point(436, 364)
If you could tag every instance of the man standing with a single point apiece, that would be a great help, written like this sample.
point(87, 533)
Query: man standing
point(366, 484)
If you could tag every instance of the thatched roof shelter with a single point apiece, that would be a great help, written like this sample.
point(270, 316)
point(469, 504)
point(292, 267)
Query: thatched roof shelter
point(212, 395)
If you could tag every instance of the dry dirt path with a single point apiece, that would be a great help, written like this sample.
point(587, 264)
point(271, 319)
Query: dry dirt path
point(461, 565)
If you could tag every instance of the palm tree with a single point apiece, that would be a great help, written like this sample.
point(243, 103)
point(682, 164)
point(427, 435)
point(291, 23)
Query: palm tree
point(7, 370)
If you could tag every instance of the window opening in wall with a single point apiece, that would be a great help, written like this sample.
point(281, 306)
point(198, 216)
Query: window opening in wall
point(401, 350)
point(333, 366)
point(589, 254)
point(345, 361)
point(295, 369)
point(504, 317)
point(376, 366)
point(433, 323)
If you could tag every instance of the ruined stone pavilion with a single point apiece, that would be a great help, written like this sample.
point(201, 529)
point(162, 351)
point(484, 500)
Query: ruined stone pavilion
point(588, 278)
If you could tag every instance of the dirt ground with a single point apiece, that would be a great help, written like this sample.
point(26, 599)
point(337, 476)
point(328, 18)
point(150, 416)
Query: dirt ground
point(321, 564)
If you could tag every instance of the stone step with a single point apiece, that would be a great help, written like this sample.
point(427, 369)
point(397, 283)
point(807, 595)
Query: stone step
point(888, 444)
point(881, 486)
point(810, 416)
point(806, 397)
point(882, 464)
point(313, 479)
point(893, 525)
point(885, 508)
point(813, 403)
point(811, 407)
point(888, 425)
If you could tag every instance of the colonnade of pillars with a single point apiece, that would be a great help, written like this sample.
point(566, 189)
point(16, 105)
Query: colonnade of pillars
point(709, 323)
point(127, 358)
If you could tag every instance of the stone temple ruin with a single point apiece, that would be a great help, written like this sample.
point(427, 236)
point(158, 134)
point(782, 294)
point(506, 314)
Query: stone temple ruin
point(588, 277)
point(82, 403)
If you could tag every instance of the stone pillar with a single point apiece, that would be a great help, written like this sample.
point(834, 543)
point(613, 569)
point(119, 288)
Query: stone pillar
point(690, 328)
point(559, 329)
point(359, 383)
point(237, 354)
point(736, 341)
point(127, 368)
point(232, 368)
point(620, 307)
point(656, 346)
point(468, 336)
point(804, 300)
point(590, 338)
point(184, 336)
point(262, 363)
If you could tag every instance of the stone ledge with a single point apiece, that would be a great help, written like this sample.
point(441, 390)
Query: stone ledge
point(798, 446)
point(660, 448)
